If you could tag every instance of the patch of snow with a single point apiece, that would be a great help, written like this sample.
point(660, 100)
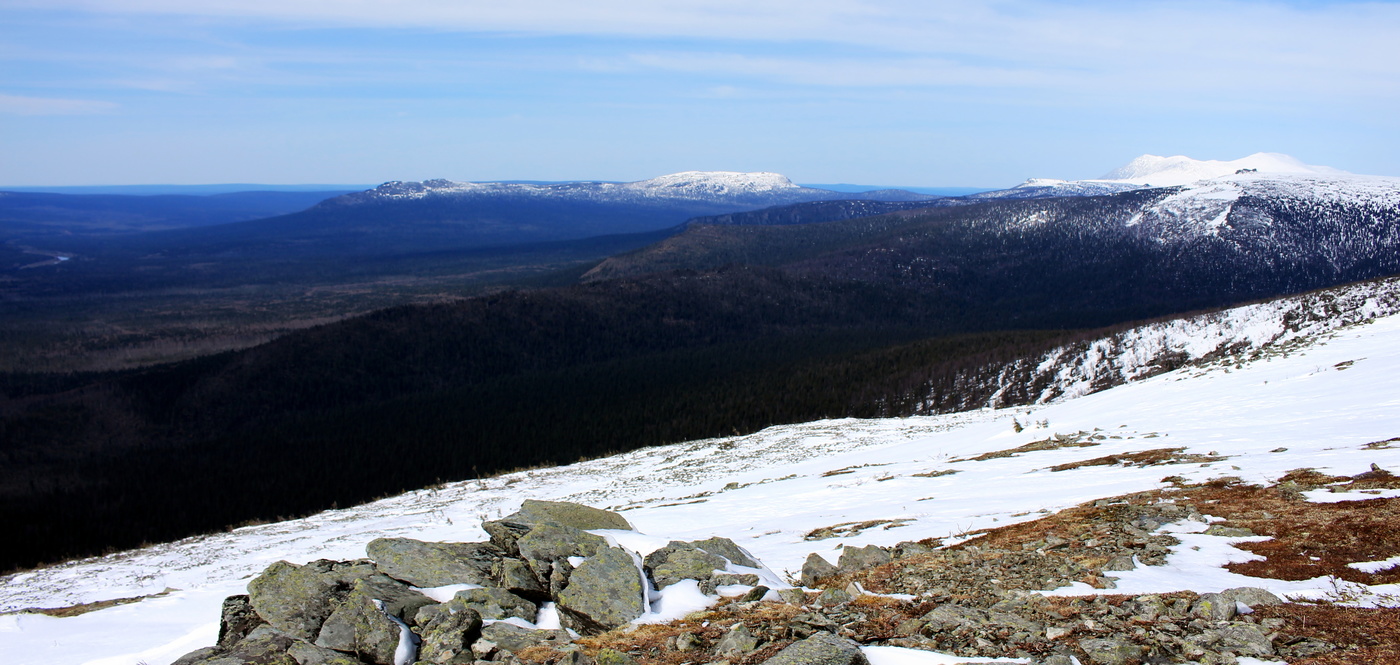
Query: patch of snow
point(1373, 567)
point(903, 656)
point(1180, 170)
point(443, 594)
point(1325, 496)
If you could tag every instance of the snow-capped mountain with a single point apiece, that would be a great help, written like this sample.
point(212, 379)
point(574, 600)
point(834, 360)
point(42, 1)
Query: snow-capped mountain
point(714, 187)
point(1153, 171)
point(1272, 397)
point(1180, 170)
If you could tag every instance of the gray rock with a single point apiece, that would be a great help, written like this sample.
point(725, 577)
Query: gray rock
point(563, 513)
point(294, 599)
point(687, 642)
point(310, 654)
point(515, 576)
point(806, 625)
point(1228, 531)
point(952, 617)
point(754, 595)
point(398, 599)
point(793, 596)
point(613, 657)
point(512, 638)
point(604, 592)
point(820, 649)
point(1111, 651)
point(496, 604)
point(862, 558)
point(359, 626)
point(726, 579)
point(685, 564)
point(1251, 596)
point(545, 544)
point(815, 569)
point(737, 642)
point(264, 645)
point(237, 619)
point(1213, 607)
point(729, 550)
point(1124, 562)
point(1243, 639)
point(434, 564)
point(831, 597)
point(448, 636)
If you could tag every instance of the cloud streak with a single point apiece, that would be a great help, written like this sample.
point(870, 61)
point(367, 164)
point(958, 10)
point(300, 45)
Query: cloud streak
point(40, 106)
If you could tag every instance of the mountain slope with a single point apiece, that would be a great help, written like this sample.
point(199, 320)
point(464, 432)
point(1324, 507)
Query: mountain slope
point(1321, 395)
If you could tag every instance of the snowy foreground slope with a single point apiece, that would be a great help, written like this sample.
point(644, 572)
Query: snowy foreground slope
point(1326, 392)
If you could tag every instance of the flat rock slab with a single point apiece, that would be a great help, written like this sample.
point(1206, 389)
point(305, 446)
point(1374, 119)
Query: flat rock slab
point(820, 649)
point(434, 564)
point(604, 592)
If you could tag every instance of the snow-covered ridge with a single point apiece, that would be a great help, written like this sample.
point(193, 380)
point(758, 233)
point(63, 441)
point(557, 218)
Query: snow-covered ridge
point(1242, 333)
point(1180, 170)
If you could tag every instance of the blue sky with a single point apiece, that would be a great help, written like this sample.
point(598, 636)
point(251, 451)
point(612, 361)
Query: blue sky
point(893, 92)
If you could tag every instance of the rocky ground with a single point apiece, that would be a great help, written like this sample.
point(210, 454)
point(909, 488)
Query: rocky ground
point(975, 598)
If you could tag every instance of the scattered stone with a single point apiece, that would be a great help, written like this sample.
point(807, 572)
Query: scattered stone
point(614, 657)
point(820, 649)
point(793, 596)
point(683, 563)
point(830, 597)
point(1251, 596)
point(1228, 531)
point(754, 595)
point(1214, 607)
point(1243, 639)
point(1119, 563)
point(434, 564)
point(604, 592)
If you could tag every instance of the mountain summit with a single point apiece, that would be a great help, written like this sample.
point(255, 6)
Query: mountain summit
point(1181, 170)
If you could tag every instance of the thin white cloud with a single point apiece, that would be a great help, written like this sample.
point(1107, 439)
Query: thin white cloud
point(20, 105)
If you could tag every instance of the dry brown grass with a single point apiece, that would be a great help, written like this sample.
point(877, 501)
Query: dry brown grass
point(1154, 457)
point(84, 608)
point(1055, 442)
point(1365, 635)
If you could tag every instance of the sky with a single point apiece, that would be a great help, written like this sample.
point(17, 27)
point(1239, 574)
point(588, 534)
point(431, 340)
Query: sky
point(888, 92)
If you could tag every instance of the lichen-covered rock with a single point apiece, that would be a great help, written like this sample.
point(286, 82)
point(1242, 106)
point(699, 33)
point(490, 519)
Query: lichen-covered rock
point(831, 597)
point(515, 576)
point(495, 604)
point(1243, 639)
point(564, 513)
point(613, 657)
point(361, 627)
point(820, 649)
point(1214, 607)
point(310, 654)
point(685, 564)
point(952, 617)
point(727, 549)
point(816, 568)
point(237, 619)
point(294, 599)
point(448, 636)
point(737, 642)
point(604, 592)
point(547, 543)
point(433, 564)
point(1110, 651)
point(264, 645)
point(1251, 596)
point(512, 638)
point(861, 558)
point(397, 598)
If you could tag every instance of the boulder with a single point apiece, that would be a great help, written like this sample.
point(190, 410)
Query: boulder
point(447, 637)
point(237, 619)
point(1251, 596)
point(729, 550)
point(1242, 639)
point(832, 597)
point(862, 558)
point(820, 649)
point(495, 604)
point(397, 598)
point(294, 599)
point(434, 564)
point(952, 617)
point(604, 592)
point(547, 543)
point(563, 513)
point(816, 568)
point(361, 627)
